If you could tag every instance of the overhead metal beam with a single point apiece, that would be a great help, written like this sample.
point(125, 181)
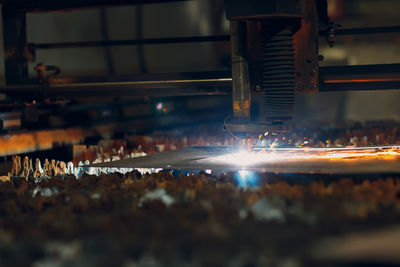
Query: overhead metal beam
point(360, 77)
point(150, 41)
point(337, 78)
point(215, 86)
point(368, 30)
point(51, 5)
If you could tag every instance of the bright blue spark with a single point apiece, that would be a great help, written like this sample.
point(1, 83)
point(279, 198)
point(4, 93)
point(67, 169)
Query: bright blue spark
point(246, 178)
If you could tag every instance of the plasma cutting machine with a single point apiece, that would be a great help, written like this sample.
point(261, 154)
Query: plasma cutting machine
point(274, 55)
point(274, 47)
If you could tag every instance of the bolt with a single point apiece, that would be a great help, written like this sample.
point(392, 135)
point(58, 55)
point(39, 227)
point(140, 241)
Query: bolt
point(258, 88)
point(331, 39)
point(314, 86)
point(312, 73)
point(300, 87)
point(320, 57)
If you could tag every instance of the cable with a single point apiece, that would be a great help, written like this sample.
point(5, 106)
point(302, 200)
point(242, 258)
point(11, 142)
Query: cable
point(228, 130)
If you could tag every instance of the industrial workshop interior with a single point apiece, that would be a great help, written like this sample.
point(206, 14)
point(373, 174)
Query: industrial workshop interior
point(239, 133)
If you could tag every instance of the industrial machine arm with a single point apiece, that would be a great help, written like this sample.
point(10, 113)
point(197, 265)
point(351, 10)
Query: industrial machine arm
point(274, 55)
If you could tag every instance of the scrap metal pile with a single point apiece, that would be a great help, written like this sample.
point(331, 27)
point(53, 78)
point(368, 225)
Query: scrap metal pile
point(195, 220)
point(169, 218)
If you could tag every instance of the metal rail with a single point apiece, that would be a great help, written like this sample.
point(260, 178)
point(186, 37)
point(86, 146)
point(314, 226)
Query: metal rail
point(338, 78)
point(360, 77)
point(216, 86)
point(150, 41)
point(51, 5)
point(368, 30)
point(193, 39)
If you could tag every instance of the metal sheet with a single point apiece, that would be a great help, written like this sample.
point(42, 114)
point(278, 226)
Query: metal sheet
point(281, 160)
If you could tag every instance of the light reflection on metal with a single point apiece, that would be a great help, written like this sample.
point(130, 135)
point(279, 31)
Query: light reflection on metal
point(279, 160)
point(249, 158)
point(245, 178)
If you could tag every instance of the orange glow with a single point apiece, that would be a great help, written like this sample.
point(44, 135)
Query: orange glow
point(39, 140)
point(363, 80)
point(249, 158)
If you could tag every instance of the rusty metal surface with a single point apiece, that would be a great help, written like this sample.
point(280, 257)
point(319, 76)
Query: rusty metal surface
point(306, 51)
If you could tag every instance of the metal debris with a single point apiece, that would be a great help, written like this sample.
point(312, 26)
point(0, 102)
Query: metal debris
point(95, 196)
point(158, 194)
point(53, 168)
point(263, 210)
point(45, 192)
